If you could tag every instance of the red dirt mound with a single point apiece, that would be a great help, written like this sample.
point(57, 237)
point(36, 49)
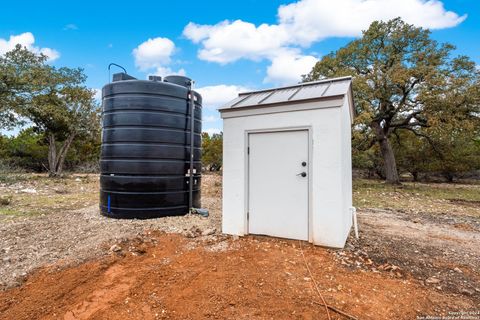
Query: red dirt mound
point(167, 276)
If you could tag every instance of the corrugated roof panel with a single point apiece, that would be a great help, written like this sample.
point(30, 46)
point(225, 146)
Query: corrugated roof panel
point(302, 91)
point(311, 91)
point(253, 99)
point(232, 103)
point(337, 88)
point(280, 95)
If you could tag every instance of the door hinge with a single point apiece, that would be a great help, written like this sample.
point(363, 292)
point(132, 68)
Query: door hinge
point(248, 150)
point(248, 215)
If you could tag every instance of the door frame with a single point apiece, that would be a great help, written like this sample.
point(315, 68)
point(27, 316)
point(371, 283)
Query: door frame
point(309, 168)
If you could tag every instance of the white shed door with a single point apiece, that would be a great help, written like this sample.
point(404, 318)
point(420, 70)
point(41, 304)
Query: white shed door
point(278, 184)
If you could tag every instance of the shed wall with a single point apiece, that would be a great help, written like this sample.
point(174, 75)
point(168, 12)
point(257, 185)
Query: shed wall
point(328, 170)
point(346, 167)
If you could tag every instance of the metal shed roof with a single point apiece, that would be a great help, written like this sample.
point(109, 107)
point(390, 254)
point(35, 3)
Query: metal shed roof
point(314, 90)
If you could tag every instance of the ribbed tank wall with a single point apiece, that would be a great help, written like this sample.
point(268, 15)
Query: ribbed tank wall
point(145, 156)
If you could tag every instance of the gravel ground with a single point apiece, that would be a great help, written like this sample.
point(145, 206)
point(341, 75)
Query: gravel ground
point(438, 248)
point(74, 236)
point(441, 251)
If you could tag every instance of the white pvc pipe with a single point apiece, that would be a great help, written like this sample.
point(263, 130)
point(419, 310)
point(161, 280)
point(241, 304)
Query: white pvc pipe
point(355, 223)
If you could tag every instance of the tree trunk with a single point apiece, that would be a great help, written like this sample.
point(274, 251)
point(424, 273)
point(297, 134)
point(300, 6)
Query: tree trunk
point(63, 153)
point(391, 173)
point(52, 155)
point(390, 165)
point(56, 160)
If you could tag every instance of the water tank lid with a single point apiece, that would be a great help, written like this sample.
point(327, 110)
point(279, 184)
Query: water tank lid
point(122, 76)
point(180, 80)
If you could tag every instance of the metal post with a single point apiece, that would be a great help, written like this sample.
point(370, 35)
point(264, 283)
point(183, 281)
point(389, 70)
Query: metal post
point(192, 136)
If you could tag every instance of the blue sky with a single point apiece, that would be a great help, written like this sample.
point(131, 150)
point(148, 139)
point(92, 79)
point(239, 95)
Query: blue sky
point(224, 46)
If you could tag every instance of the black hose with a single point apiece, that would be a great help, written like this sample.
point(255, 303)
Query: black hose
point(117, 65)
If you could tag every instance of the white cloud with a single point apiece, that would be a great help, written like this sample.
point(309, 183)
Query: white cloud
point(51, 54)
point(27, 40)
point(154, 53)
point(211, 131)
point(166, 71)
point(214, 97)
point(288, 66)
point(98, 94)
point(208, 119)
point(197, 32)
point(305, 22)
point(308, 21)
point(229, 41)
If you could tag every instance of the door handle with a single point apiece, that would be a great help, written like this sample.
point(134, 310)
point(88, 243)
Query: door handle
point(303, 174)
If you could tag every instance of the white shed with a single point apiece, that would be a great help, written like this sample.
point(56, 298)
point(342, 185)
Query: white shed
point(287, 169)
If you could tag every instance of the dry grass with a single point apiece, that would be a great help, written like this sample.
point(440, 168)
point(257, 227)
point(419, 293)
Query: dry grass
point(70, 193)
point(441, 198)
point(34, 194)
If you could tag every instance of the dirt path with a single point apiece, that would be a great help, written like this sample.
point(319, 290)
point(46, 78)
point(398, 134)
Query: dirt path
point(216, 277)
point(460, 235)
point(441, 251)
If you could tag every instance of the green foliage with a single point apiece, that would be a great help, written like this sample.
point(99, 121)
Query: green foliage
point(20, 73)
point(63, 105)
point(27, 150)
point(450, 152)
point(54, 100)
point(408, 87)
point(84, 154)
point(212, 151)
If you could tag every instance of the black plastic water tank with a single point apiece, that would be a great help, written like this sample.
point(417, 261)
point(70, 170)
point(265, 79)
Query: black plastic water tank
point(145, 158)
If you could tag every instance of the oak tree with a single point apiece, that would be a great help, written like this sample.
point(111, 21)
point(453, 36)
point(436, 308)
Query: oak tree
point(402, 80)
point(54, 101)
point(19, 80)
point(64, 110)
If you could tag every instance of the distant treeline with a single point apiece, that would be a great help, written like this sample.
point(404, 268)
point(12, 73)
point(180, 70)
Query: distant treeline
point(28, 151)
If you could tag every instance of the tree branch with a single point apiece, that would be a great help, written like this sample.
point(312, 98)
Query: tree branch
point(407, 120)
point(429, 140)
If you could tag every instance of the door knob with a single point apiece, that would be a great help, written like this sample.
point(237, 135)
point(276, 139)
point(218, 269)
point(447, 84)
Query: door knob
point(303, 174)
